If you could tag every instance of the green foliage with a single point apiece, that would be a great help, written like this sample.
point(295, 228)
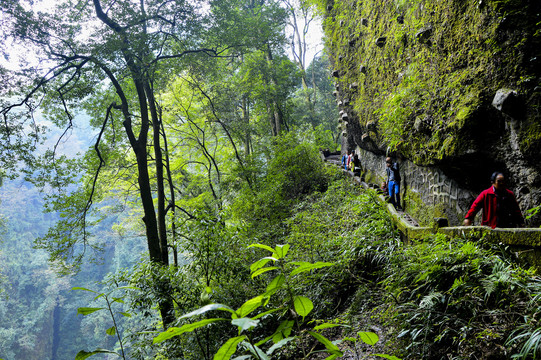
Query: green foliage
point(294, 170)
point(112, 331)
point(302, 306)
point(456, 285)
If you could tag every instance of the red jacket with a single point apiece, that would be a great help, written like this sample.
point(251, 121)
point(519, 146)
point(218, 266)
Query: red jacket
point(499, 209)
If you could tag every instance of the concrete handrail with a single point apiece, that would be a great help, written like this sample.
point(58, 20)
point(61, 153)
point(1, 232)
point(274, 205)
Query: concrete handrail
point(526, 240)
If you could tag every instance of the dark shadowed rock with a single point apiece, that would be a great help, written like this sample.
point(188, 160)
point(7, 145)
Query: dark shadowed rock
point(424, 34)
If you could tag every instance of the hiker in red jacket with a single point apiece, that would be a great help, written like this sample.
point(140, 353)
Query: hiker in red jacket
point(500, 208)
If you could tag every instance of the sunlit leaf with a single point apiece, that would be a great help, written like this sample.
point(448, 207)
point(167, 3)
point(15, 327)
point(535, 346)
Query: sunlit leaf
point(281, 251)
point(261, 246)
point(229, 348)
point(275, 284)
point(263, 270)
point(385, 356)
point(326, 326)
point(111, 331)
point(303, 305)
point(333, 356)
point(87, 310)
point(369, 338)
point(306, 266)
point(126, 314)
point(328, 344)
point(250, 306)
point(260, 263)
point(175, 331)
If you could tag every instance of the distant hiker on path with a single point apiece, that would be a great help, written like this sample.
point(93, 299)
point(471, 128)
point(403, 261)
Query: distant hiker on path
point(356, 165)
point(345, 159)
point(500, 207)
point(393, 182)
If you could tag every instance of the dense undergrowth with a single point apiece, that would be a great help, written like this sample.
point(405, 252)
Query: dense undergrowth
point(439, 298)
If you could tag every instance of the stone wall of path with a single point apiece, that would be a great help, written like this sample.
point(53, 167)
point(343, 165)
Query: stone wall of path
point(430, 184)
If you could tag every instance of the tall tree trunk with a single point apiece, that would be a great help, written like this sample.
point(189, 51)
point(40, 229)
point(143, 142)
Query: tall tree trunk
point(155, 228)
point(247, 132)
point(158, 156)
point(275, 111)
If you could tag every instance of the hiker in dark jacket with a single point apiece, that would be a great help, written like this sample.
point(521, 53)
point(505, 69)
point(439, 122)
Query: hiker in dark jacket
point(393, 182)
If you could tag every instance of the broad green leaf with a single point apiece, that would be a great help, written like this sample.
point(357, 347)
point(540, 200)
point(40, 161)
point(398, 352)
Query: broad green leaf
point(261, 246)
point(87, 310)
point(326, 326)
point(258, 353)
point(84, 289)
point(275, 284)
point(81, 355)
point(332, 357)
point(281, 251)
point(369, 338)
point(328, 344)
point(229, 348)
point(303, 305)
point(249, 306)
point(261, 262)
point(385, 356)
point(263, 270)
point(279, 344)
point(245, 323)
point(306, 266)
point(111, 331)
point(118, 300)
point(206, 308)
point(126, 314)
point(283, 331)
point(175, 331)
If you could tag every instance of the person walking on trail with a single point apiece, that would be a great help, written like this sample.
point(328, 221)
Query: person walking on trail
point(500, 207)
point(393, 182)
point(356, 165)
point(345, 159)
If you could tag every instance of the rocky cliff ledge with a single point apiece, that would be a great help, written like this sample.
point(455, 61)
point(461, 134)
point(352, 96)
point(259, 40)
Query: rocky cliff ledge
point(451, 88)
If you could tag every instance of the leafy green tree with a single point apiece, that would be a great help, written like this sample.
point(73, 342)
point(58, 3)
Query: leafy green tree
point(111, 59)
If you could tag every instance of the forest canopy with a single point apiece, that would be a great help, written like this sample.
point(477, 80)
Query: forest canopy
point(184, 99)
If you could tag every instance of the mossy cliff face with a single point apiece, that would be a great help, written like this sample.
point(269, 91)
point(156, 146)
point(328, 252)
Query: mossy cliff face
point(445, 83)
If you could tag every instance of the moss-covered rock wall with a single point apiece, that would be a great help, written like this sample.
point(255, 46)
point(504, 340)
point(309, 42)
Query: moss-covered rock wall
point(450, 84)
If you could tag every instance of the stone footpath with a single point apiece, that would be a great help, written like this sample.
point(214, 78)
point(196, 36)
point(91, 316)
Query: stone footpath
point(525, 243)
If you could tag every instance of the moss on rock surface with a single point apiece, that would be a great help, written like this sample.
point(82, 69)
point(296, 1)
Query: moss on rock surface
point(421, 78)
